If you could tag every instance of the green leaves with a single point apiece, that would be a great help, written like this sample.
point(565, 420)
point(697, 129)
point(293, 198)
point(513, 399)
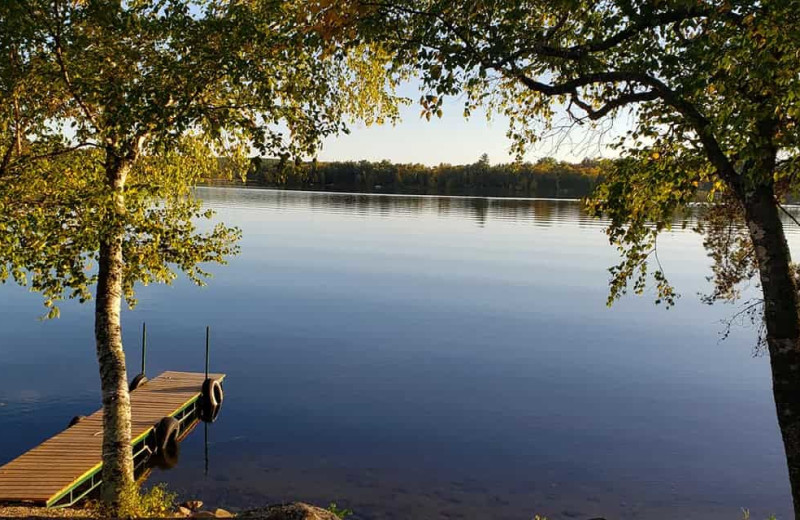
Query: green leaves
point(640, 197)
point(50, 236)
point(709, 88)
point(117, 109)
point(431, 105)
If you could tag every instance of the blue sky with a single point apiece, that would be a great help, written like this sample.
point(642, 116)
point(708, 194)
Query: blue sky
point(451, 139)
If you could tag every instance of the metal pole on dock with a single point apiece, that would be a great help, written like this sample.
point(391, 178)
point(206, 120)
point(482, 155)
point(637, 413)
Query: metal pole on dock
point(208, 333)
point(205, 424)
point(144, 344)
point(205, 446)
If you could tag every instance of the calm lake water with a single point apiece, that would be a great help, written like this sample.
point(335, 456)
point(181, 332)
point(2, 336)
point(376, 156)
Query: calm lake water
point(432, 357)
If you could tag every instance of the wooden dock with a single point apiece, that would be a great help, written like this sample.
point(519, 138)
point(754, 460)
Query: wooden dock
point(67, 467)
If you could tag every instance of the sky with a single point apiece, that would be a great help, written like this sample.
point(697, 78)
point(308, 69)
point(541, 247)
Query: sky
point(451, 139)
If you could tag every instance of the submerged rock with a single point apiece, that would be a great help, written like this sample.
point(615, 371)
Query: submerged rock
point(295, 511)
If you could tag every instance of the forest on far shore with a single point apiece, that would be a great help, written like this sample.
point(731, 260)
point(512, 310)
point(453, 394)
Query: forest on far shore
point(546, 177)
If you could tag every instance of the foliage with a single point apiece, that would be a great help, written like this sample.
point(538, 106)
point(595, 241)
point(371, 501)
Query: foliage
point(746, 515)
point(113, 109)
point(158, 90)
point(709, 90)
point(545, 178)
point(156, 502)
point(51, 223)
point(340, 513)
point(643, 205)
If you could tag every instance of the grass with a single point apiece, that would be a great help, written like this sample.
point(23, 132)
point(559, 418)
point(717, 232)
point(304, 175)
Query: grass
point(746, 515)
point(340, 513)
point(156, 502)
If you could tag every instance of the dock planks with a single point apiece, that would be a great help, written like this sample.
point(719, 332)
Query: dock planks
point(52, 470)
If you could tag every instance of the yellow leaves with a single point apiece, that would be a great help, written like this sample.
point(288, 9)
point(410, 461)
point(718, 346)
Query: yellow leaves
point(428, 113)
point(655, 156)
point(57, 232)
point(365, 89)
point(333, 20)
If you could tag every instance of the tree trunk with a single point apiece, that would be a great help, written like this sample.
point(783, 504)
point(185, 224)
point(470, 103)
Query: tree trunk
point(117, 454)
point(781, 313)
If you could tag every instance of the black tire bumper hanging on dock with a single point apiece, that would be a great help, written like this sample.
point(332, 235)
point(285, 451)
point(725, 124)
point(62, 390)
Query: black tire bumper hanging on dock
point(211, 397)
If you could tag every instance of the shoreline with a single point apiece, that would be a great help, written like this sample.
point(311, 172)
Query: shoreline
point(377, 193)
point(188, 509)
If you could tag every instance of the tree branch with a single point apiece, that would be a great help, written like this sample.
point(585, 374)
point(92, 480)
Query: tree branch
point(621, 101)
point(58, 49)
point(786, 212)
point(661, 90)
point(657, 88)
point(577, 52)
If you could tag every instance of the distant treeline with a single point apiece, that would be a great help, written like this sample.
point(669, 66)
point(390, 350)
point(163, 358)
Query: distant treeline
point(544, 178)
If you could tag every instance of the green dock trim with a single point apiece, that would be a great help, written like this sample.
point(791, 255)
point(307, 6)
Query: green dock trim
point(141, 445)
point(97, 468)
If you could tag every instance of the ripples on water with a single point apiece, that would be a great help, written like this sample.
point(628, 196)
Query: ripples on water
point(539, 211)
point(432, 357)
point(542, 212)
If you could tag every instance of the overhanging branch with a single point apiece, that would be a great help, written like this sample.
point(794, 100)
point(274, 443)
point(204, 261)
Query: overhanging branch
point(621, 101)
point(577, 52)
point(659, 90)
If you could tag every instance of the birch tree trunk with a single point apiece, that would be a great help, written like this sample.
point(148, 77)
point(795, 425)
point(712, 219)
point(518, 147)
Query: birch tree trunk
point(781, 313)
point(117, 452)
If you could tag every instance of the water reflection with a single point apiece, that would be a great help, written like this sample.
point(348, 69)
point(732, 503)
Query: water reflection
point(429, 357)
point(480, 210)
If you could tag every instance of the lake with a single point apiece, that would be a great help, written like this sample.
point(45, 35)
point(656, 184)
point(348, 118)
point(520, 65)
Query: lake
point(432, 357)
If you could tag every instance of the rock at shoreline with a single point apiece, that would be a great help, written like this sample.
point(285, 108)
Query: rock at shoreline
point(295, 511)
point(193, 505)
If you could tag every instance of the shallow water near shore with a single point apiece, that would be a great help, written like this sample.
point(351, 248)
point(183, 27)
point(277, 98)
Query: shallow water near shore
point(431, 357)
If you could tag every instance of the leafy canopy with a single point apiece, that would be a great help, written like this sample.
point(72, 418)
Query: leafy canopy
point(709, 89)
point(117, 108)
